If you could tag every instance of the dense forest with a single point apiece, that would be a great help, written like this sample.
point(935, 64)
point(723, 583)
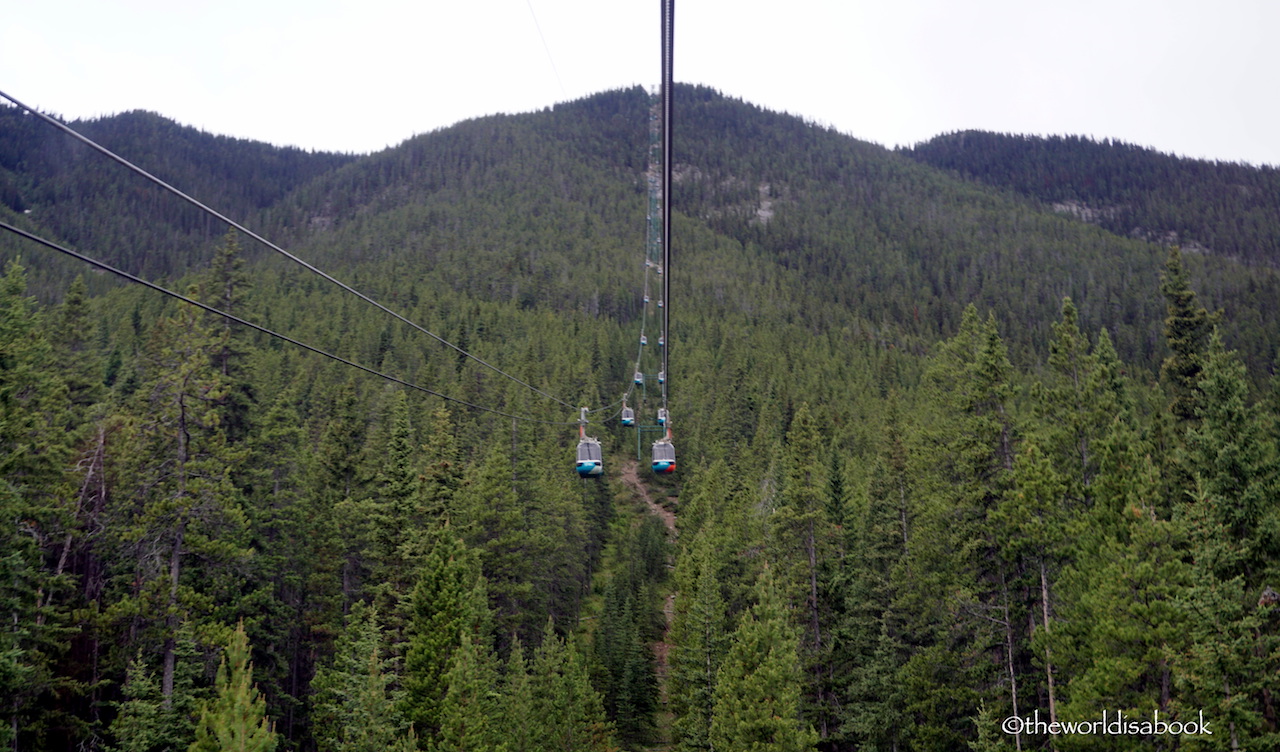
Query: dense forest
point(948, 456)
point(1221, 208)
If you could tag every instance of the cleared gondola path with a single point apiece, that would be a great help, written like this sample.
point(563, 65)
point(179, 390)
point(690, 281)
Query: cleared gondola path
point(631, 477)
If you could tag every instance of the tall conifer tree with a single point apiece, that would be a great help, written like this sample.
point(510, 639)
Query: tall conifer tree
point(236, 718)
point(757, 695)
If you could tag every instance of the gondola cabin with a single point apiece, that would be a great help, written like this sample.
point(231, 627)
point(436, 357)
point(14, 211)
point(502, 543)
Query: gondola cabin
point(590, 459)
point(628, 416)
point(662, 416)
point(639, 379)
point(664, 457)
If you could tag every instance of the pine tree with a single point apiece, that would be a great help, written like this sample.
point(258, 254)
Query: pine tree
point(355, 706)
point(1233, 523)
point(698, 641)
point(235, 720)
point(443, 473)
point(468, 711)
point(757, 695)
point(802, 535)
point(512, 725)
point(447, 601)
point(176, 465)
point(140, 724)
point(963, 471)
point(488, 514)
point(623, 662)
point(567, 712)
point(226, 287)
point(1235, 468)
point(145, 722)
point(1186, 330)
point(868, 648)
point(36, 502)
point(341, 480)
point(78, 361)
point(394, 511)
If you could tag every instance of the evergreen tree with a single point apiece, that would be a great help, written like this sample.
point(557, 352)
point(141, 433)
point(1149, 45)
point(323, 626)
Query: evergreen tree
point(145, 722)
point(867, 640)
point(443, 473)
point(355, 706)
point(516, 718)
point(488, 514)
point(225, 287)
point(757, 695)
point(567, 712)
point(394, 510)
point(341, 480)
point(35, 508)
point(235, 720)
point(78, 360)
point(1233, 523)
point(176, 465)
point(623, 663)
point(447, 601)
point(468, 712)
point(957, 570)
point(802, 535)
point(1186, 329)
point(289, 544)
point(699, 638)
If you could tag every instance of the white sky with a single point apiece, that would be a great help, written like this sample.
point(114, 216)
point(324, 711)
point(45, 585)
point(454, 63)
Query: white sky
point(1199, 78)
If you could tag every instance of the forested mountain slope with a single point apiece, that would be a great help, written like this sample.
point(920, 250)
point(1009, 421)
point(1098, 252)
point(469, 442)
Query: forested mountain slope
point(541, 205)
point(92, 203)
point(920, 490)
point(1218, 208)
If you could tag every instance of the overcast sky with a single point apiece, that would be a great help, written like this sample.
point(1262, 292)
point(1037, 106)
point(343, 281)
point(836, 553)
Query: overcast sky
point(1199, 78)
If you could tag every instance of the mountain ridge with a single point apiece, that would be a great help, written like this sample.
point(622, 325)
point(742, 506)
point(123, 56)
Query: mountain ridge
point(523, 205)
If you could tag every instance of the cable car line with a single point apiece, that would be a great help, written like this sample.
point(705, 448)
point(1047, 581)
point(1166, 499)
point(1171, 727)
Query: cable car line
point(543, 37)
point(668, 40)
point(664, 451)
point(230, 317)
point(194, 202)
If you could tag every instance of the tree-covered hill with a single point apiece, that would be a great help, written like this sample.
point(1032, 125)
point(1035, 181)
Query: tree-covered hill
point(542, 208)
point(1220, 208)
point(945, 456)
point(92, 203)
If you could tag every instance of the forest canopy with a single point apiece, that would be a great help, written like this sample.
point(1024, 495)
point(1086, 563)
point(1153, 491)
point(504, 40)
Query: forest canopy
point(946, 456)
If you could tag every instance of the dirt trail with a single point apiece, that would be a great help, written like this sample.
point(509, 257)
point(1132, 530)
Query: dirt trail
point(631, 476)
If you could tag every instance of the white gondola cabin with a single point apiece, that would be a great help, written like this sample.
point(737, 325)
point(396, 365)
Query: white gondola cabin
point(664, 457)
point(590, 458)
